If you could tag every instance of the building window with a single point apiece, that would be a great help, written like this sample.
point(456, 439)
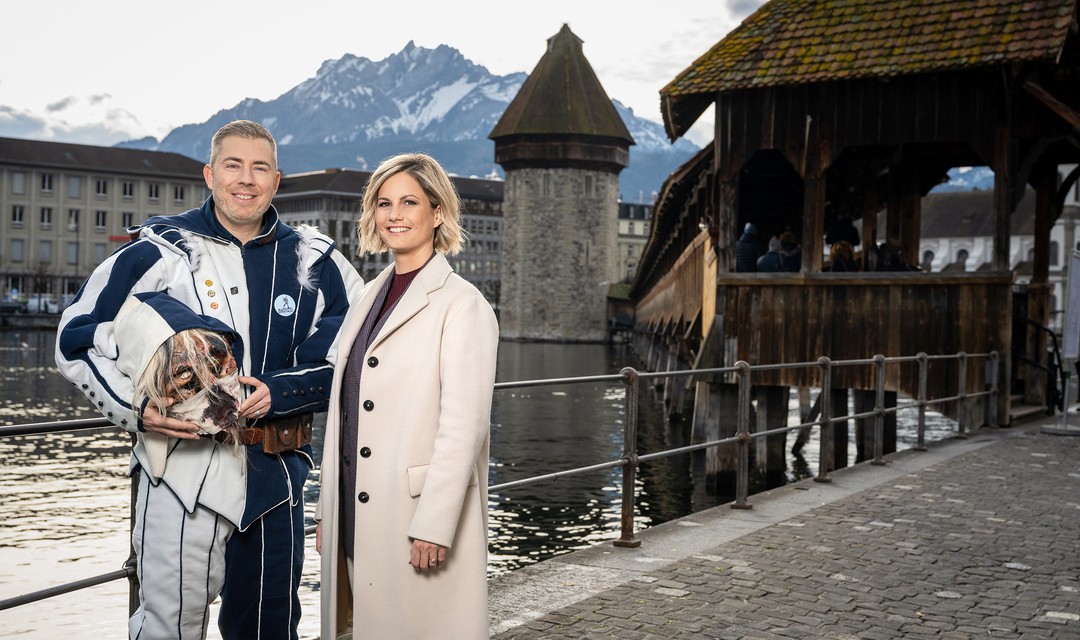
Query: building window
point(17, 250)
point(73, 253)
point(102, 188)
point(73, 219)
point(99, 252)
point(927, 258)
point(100, 218)
point(74, 187)
point(962, 256)
point(127, 219)
point(46, 182)
point(46, 217)
point(18, 183)
point(154, 191)
point(17, 213)
point(1053, 253)
point(631, 227)
point(129, 190)
point(178, 193)
point(45, 251)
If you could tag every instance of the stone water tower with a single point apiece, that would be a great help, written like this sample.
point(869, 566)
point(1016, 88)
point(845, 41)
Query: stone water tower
point(562, 145)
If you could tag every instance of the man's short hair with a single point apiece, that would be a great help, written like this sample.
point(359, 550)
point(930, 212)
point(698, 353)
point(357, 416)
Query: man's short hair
point(243, 129)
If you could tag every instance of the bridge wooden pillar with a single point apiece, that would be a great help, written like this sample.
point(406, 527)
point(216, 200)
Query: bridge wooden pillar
point(769, 452)
point(1044, 176)
point(864, 400)
point(715, 406)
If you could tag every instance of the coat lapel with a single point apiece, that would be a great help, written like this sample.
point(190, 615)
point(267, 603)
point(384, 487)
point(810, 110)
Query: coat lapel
point(415, 298)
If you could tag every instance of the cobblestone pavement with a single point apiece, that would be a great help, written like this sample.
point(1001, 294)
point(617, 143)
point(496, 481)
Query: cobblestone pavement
point(985, 545)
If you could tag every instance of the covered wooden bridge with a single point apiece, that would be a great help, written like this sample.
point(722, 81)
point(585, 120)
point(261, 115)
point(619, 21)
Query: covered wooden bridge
point(827, 110)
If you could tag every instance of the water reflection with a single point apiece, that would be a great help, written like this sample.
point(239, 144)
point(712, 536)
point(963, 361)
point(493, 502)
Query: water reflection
point(68, 498)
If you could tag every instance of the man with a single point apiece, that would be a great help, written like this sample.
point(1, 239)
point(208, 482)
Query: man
point(208, 520)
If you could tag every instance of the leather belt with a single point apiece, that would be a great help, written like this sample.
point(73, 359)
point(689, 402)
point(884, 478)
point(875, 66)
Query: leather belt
point(246, 435)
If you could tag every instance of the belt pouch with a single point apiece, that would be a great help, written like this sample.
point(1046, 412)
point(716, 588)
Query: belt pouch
point(287, 434)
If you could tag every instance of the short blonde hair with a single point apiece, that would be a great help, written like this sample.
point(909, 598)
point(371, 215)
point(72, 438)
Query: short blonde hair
point(242, 129)
point(440, 192)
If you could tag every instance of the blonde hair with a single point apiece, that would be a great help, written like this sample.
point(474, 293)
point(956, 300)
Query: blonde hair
point(242, 129)
point(156, 382)
point(440, 192)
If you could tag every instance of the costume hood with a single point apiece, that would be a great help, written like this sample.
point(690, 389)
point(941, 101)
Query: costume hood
point(143, 324)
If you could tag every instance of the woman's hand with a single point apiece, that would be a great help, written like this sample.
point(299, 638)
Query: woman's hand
point(156, 422)
point(425, 556)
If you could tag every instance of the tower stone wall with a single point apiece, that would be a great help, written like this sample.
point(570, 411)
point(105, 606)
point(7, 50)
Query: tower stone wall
point(560, 231)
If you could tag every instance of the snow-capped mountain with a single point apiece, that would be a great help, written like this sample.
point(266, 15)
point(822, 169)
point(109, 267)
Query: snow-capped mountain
point(354, 112)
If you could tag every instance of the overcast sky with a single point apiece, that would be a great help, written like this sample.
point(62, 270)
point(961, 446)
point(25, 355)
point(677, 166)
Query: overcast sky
point(99, 73)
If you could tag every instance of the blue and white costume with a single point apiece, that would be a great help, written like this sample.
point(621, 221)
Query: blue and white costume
point(285, 293)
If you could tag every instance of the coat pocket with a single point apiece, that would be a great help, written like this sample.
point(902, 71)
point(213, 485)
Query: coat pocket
point(418, 474)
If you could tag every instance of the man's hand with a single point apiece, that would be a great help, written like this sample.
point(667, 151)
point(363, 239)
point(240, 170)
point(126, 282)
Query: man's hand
point(154, 422)
point(257, 404)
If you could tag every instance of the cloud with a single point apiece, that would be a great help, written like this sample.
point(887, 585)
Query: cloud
point(742, 8)
point(21, 124)
point(61, 105)
point(70, 121)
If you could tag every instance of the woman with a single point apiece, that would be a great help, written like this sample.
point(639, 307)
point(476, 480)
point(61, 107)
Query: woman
point(403, 505)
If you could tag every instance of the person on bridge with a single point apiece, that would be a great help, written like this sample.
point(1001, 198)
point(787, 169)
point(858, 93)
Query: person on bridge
point(208, 521)
point(748, 249)
point(403, 501)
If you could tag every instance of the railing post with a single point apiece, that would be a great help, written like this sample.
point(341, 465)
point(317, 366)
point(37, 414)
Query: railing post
point(825, 448)
point(742, 478)
point(961, 393)
point(629, 470)
point(879, 412)
point(920, 440)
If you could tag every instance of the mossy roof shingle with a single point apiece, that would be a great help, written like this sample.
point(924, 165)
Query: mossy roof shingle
point(791, 42)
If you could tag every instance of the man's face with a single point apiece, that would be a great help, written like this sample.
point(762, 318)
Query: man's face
point(243, 179)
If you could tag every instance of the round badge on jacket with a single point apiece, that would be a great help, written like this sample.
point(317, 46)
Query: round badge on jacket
point(285, 305)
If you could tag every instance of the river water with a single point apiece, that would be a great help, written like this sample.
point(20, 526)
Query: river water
point(65, 511)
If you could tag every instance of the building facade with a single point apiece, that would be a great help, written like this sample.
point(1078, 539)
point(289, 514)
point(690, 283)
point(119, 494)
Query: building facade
point(634, 222)
point(66, 207)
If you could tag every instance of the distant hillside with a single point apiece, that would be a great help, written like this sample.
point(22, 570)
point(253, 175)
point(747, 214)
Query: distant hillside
point(355, 112)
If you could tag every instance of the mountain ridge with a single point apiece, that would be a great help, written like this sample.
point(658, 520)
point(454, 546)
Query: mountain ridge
point(355, 111)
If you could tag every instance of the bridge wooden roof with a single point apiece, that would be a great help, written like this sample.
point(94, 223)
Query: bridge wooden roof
point(791, 42)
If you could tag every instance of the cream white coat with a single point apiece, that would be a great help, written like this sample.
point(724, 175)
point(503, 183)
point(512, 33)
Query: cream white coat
point(430, 373)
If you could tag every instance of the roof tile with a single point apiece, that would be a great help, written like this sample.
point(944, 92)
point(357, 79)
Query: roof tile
point(788, 42)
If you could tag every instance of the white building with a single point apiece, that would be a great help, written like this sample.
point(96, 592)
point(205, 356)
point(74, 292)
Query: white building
point(957, 234)
point(65, 207)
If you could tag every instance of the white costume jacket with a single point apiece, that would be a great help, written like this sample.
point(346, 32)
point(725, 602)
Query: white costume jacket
point(285, 293)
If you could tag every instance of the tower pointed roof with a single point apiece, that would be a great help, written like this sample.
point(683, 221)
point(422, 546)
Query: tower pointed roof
point(562, 96)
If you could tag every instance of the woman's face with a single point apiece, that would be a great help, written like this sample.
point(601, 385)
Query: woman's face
point(406, 221)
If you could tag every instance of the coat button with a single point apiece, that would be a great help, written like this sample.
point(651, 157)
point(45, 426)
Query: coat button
point(373, 361)
point(362, 496)
point(369, 405)
point(365, 452)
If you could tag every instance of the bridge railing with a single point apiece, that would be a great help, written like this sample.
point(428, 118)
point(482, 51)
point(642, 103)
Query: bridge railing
point(631, 459)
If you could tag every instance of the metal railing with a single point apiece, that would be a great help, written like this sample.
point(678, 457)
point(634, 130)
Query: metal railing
point(631, 459)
